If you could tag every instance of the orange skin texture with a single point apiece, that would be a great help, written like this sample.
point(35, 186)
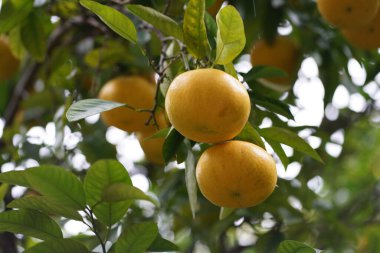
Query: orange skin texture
point(367, 37)
point(348, 13)
point(135, 91)
point(236, 174)
point(283, 53)
point(213, 9)
point(152, 147)
point(8, 62)
point(207, 105)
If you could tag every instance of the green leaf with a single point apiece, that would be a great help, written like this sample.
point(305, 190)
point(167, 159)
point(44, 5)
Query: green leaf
point(34, 42)
point(194, 29)
point(88, 107)
point(273, 105)
point(59, 246)
point(30, 223)
point(209, 3)
point(120, 191)
point(15, 42)
point(160, 134)
point(107, 56)
point(230, 69)
point(162, 245)
point(160, 21)
point(191, 182)
point(259, 71)
point(15, 178)
point(230, 37)
point(137, 238)
point(100, 175)
point(114, 19)
point(13, 13)
point(250, 134)
point(3, 190)
point(291, 139)
point(212, 30)
point(225, 212)
point(280, 152)
point(46, 205)
point(289, 246)
point(59, 184)
point(171, 145)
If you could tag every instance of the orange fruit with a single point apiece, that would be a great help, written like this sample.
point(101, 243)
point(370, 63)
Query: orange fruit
point(236, 174)
point(207, 105)
point(348, 13)
point(135, 91)
point(8, 62)
point(152, 147)
point(367, 37)
point(283, 54)
point(213, 9)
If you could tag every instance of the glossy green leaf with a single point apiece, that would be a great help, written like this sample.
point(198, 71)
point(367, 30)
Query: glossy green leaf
point(160, 134)
point(46, 205)
point(88, 107)
point(212, 30)
point(58, 246)
point(59, 184)
point(100, 175)
point(258, 72)
point(31, 223)
point(250, 134)
point(13, 13)
point(137, 238)
point(230, 37)
point(162, 245)
point(291, 139)
point(34, 42)
point(160, 21)
point(194, 29)
point(280, 152)
point(230, 69)
point(289, 246)
point(120, 192)
point(3, 190)
point(114, 19)
point(171, 145)
point(191, 182)
point(271, 104)
point(15, 178)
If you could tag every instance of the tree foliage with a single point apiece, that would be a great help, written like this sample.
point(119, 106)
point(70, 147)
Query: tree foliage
point(59, 163)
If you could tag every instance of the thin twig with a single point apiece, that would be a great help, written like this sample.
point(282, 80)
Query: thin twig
point(93, 229)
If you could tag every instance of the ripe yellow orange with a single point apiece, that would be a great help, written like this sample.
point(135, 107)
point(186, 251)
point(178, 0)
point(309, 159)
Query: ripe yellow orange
point(284, 54)
point(135, 91)
point(207, 105)
point(367, 37)
point(152, 147)
point(8, 62)
point(236, 174)
point(348, 13)
point(213, 9)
